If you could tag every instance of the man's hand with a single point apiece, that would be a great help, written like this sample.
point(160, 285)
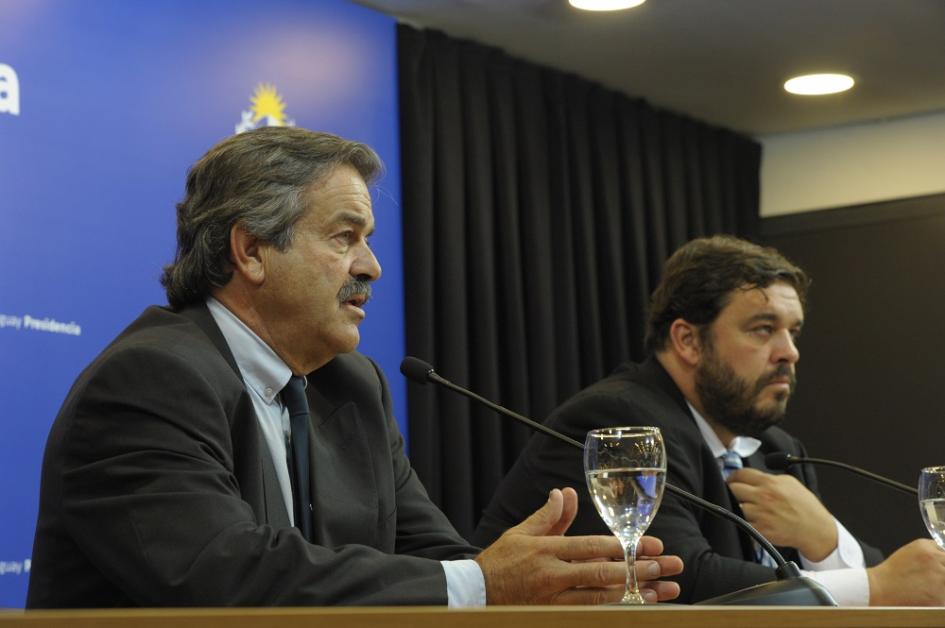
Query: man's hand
point(785, 512)
point(913, 575)
point(533, 564)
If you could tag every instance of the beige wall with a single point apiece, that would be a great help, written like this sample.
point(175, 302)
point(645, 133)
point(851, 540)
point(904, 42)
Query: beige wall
point(853, 165)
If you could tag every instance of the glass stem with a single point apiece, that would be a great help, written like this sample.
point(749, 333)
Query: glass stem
point(632, 588)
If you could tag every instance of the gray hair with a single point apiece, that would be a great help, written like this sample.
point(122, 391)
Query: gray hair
point(257, 179)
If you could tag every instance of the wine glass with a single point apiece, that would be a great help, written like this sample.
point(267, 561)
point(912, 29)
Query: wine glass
point(932, 502)
point(625, 468)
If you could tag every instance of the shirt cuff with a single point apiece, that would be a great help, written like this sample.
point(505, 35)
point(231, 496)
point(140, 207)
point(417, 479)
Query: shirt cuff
point(848, 553)
point(849, 587)
point(465, 584)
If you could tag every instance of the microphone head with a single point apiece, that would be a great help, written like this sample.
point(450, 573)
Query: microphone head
point(778, 460)
point(416, 370)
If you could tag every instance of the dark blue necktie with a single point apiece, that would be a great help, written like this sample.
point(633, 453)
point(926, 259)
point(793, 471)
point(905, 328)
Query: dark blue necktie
point(293, 396)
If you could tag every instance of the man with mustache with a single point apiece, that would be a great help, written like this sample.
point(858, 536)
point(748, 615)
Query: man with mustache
point(721, 336)
point(234, 449)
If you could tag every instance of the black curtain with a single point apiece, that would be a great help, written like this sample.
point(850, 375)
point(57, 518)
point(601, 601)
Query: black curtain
point(538, 209)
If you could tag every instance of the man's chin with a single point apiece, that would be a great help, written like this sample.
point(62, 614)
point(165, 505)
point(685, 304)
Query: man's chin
point(350, 342)
point(771, 414)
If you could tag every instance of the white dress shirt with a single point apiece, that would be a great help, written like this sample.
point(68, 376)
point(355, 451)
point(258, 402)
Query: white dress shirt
point(843, 571)
point(265, 375)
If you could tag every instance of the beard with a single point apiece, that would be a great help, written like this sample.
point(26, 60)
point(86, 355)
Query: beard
point(734, 402)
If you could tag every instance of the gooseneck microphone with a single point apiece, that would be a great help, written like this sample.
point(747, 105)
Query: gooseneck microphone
point(781, 461)
point(416, 370)
point(791, 588)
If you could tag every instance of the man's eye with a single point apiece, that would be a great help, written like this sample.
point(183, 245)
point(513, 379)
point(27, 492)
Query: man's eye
point(345, 236)
point(763, 330)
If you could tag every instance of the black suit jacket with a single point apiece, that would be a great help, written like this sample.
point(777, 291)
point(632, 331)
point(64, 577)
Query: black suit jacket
point(159, 490)
point(718, 558)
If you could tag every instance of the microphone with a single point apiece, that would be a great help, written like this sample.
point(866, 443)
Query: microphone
point(416, 370)
point(781, 461)
point(790, 589)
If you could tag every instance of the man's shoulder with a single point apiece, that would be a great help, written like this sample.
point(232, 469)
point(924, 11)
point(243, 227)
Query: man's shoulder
point(162, 357)
point(162, 329)
point(635, 393)
point(634, 383)
point(161, 338)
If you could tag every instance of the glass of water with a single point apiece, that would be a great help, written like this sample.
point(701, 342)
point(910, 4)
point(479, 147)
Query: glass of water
point(625, 468)
point(932, 502)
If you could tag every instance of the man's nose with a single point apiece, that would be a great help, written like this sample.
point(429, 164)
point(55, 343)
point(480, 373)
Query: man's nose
point(787, 350)
point(366, 267)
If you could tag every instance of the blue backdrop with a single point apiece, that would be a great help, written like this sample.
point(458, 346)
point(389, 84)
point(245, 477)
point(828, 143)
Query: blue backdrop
point(103, 107)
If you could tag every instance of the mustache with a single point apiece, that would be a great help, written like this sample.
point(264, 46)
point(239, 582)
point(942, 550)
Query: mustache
point(781, 371)
point(353, 288)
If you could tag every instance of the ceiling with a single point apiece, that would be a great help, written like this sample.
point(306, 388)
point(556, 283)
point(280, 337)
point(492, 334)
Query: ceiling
point(722, 61)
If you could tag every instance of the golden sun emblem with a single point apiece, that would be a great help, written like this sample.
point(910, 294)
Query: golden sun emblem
point(267, 103)
point(266, 109)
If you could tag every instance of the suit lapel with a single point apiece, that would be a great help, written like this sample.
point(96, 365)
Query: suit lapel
point(273, 505)
point(276, 513)
point(746, 543)
point(344, 493)
point(757, 461)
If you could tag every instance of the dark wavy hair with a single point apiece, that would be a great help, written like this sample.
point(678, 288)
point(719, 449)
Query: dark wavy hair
point(258, 179)
point(700, 277)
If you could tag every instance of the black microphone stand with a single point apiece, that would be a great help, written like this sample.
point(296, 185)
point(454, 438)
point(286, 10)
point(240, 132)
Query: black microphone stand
point(780, 460)
point(790, 588)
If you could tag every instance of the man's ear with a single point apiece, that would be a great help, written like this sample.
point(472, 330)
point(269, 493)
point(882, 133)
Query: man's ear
point(247, 253)
point(685, 341)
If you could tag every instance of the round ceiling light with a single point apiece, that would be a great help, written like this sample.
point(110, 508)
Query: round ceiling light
point(819, 84)
point(605, 5)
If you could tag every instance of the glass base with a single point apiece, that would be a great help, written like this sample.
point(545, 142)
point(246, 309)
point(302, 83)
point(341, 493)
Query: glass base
point(631, 599)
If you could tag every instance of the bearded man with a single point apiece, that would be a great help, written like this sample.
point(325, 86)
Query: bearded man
point(722, 343)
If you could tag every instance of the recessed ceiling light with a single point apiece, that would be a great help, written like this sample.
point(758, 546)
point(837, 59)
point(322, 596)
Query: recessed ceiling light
point(819, 84)
point(605, 5)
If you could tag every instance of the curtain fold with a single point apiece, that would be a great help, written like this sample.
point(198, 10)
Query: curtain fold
point(538, 210)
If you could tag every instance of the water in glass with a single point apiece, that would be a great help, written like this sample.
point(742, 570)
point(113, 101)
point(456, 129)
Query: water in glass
point(932, 502)
point(625, 468)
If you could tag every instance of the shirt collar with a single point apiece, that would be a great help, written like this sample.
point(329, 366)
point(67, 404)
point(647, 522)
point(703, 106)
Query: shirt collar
point(262, 370)
point(744, 446)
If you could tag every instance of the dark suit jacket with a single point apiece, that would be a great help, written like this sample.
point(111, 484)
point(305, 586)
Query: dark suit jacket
point(718, 558)
point(159, 490)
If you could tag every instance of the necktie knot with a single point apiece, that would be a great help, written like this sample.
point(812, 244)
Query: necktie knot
point(293, 396)
point(731, 461)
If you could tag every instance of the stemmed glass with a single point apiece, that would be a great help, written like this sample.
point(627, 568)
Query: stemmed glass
point(932, 502)
point(625, 468)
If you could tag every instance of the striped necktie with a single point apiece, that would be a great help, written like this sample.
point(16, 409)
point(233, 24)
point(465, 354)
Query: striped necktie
point(732, 462)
